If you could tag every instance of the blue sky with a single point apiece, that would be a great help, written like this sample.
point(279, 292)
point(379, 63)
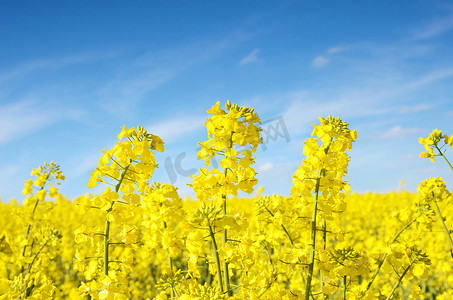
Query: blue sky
point(73, 73)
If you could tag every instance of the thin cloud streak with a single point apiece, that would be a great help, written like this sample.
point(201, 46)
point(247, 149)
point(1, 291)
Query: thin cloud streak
point(27, 117)
point(252, 57)
point(336, 49)
point(320, 61)
point(430, 77)
point(120, 96)
point(375, 99)
point(170, 131)
point(21, 119)
point(266, 167)
point(86, 164)
point(400, 132)
point(33, 66)
point(152, 70)
point(415, 108)
point(435, 28)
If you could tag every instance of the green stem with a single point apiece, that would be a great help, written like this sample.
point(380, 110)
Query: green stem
point(324, 226)
point(289, 238)
point(313, 239)
point(385, 255)
point(447, 232)
point(345, 287)
point(107, 226)
point(287, 235)
point(173, 290)
point(226, 276)
point(27, 233)
point(106, 247)
point(283, 227)
point(217, 258)
point(170, 263)
point(324, 240)
point(400, 279)
point(36, 254)
point(27, 290)
point(443, 155)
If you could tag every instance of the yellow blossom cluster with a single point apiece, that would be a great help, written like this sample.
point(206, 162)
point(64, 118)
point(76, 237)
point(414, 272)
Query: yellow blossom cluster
point(233, 127)
point(435, 141)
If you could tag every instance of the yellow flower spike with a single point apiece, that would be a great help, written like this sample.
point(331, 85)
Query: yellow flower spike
point(226, 129)
point(127, 167)
point(321, 176)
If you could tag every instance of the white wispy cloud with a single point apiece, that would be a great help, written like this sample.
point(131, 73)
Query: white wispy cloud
point(122, 93)
point(434, 28)
point(336, 49)
point(120, 96)
point(171, 130)
point(86, 164)
point(427, 78)
point(376, 97)
point(400, 132)
point(320, 61)
point(415, 108)
point(44, 64)
point(252, 57)
point(266, 167)
point(22, 118)
point(26, 117)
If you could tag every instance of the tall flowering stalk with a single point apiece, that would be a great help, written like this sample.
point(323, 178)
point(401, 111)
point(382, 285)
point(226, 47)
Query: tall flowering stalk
point(162, 211)
point(434, 190)
point(420, 214)
point(318, 182)
point(233, 134)
point(127, 167)
point(47, 174)
point(434, 187)
point(40, 239)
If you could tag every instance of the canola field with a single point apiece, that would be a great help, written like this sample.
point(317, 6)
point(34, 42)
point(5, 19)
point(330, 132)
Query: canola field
point(139, 240)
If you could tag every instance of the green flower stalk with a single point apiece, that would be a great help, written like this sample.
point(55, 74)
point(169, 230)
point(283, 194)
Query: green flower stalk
point(234, 126)
point(441, 143)
point(129, 165)
point(320, 177)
